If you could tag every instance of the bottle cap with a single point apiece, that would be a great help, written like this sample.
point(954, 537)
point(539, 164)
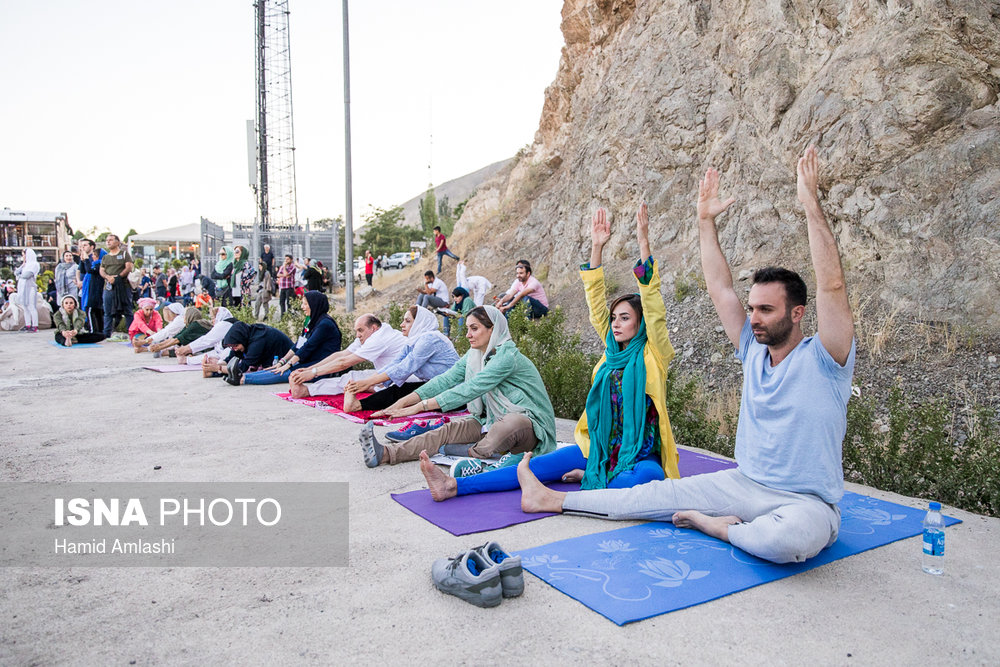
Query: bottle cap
point(935, 507)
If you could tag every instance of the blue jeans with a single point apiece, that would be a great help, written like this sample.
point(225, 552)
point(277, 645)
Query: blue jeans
point(267, 377)
point(535, 308)
point(552, 466)
point(442, 254)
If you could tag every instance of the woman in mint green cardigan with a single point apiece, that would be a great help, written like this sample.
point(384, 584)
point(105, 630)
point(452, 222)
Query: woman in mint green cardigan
point(510, 409)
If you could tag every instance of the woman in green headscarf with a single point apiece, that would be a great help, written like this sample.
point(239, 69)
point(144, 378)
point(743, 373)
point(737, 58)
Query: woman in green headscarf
point(221, 274)
point(241, 279)
point(624, 437)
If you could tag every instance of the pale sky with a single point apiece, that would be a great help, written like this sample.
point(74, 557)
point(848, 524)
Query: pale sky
point(133, 114)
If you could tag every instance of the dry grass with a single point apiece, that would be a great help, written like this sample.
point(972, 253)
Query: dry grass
point(722, 406)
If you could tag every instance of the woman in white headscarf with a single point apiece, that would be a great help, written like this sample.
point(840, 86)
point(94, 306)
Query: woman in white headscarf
point(208, 349)
point(27, 289)
point(510, 409)
point(428, 354)
point(173, 318)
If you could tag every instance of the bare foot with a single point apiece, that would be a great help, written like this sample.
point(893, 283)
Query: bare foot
point(575, 475)
point(298, 391)
point(351, 404)
point(535, 496)
point(713, 526)
point(442, 487)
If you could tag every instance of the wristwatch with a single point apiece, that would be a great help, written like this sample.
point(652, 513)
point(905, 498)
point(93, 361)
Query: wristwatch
point(423, 404)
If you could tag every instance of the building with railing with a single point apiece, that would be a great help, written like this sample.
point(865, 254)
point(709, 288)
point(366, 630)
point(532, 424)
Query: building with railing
point(48, 234)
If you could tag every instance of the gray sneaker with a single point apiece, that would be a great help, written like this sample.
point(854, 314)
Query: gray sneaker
point(511, 574)
point(468, 576)
point(370, 447)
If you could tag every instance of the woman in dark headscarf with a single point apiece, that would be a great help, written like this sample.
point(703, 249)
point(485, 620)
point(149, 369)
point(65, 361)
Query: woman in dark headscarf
point(253, 346)
point(319, 339)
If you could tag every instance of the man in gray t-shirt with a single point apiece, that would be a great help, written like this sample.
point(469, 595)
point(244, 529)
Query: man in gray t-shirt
point(779, 503)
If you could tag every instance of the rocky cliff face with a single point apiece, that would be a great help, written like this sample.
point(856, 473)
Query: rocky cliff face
point(901, 97)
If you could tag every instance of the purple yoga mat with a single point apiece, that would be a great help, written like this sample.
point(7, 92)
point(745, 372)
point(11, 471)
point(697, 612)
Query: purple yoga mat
point(172, 368)
point(481, 512)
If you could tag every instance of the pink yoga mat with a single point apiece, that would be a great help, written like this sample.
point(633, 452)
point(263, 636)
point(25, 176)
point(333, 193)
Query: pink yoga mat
point(335, 406)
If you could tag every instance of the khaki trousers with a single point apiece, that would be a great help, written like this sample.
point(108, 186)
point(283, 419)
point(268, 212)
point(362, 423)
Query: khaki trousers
point(513, 433)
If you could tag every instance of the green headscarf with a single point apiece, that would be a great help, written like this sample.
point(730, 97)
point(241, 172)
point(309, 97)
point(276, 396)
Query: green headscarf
point(238, 266)
point(222, 265)
point(596, 476)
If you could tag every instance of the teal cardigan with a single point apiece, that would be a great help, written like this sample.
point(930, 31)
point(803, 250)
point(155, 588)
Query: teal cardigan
point(514, 375)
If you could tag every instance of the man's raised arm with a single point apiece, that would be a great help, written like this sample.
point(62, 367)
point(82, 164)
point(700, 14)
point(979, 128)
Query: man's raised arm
point(833, 310)
point(718, 276)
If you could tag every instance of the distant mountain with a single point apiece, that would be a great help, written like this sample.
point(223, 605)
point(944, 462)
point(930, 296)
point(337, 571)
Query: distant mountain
point(456, 190)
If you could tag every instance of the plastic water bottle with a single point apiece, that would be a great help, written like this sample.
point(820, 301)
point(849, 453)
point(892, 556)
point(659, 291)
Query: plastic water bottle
point(274, 362)
point(933, 557)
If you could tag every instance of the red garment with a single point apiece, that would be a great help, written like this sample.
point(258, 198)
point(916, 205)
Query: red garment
point(369, 265)
point(142, 326)
point(439, 242)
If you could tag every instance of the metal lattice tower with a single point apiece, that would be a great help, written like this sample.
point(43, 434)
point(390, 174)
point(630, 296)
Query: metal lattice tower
point(276, 202)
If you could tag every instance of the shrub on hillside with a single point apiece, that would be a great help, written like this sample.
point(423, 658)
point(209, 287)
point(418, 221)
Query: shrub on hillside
point(917, 450)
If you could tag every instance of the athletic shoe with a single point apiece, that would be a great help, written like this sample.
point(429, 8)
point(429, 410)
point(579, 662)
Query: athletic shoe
point(233, 372)
point(469, 576)
point(467, 468)
point(504, 461)
point(415, 428)
point(511, 574)
point(370, 447)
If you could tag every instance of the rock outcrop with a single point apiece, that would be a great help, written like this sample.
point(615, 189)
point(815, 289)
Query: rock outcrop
point(900, 96)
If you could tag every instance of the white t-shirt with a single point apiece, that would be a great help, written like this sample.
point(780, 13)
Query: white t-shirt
point(441, 290)
point(381, 348)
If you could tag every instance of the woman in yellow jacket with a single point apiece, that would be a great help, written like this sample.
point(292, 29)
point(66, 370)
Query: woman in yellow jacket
point(624, 437)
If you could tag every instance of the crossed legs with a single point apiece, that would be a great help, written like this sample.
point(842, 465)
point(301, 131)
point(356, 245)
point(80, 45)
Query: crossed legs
point(779, 526)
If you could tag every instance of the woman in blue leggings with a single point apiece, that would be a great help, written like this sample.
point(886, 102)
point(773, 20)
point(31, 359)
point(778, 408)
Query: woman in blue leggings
point(623, 439)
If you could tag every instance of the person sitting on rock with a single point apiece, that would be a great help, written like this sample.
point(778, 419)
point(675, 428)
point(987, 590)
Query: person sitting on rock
point(525, 287)
point(780, 503)
point(375, 341)
point(478, 286)
point(510, 409)
point(428, 353)
point(623, 437)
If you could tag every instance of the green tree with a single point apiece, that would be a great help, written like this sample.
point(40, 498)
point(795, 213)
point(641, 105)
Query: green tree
point(384, 232)
point(428, 213)
point(446, 218)
point(131, 232)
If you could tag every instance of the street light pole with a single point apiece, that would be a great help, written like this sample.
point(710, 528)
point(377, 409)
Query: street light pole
point(348, 215)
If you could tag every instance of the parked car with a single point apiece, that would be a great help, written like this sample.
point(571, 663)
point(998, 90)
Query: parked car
point(359, 272)
point(397, 260)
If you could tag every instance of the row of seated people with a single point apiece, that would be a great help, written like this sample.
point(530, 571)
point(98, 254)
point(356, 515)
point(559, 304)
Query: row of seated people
point(779, 504)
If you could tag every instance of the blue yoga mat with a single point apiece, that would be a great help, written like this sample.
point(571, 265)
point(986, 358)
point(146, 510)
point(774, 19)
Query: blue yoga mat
point(642, 571)
point(74, 346)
